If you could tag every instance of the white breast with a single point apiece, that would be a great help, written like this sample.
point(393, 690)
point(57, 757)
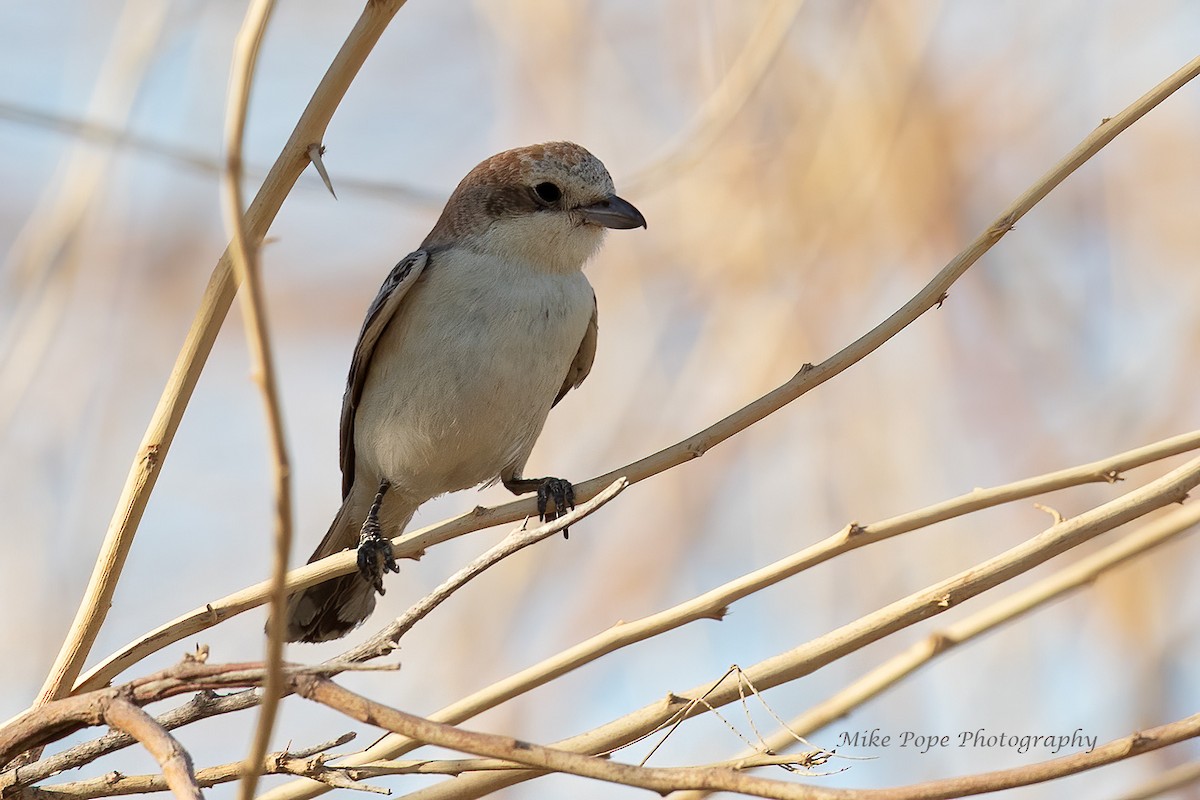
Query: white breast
point(462, 380)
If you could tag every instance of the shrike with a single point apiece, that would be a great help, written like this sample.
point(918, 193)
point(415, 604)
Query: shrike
point(470, 342)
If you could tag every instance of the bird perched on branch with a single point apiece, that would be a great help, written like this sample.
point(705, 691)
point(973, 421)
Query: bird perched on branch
point(469, 343)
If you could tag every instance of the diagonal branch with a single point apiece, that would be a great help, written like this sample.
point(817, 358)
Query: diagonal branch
point(811, 656)
point(665, 779)
point(218, 296)
point(808, 378)
point(987, 619)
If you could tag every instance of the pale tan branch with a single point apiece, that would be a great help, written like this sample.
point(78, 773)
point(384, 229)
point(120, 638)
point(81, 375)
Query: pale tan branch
point(300, 763)
point(707, 606)
point(52, 721)
point(823, 650)
point(15, 735)
point(204, 704)
point(712, 604)
point(664, 779)
point(244, 255)
point(937, 644)
point(658, 779)
point(386, 640)
point(214, 305)
point(167, 751)
point(808, 378)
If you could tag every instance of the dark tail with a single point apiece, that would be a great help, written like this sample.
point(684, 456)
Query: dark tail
point(332, 609)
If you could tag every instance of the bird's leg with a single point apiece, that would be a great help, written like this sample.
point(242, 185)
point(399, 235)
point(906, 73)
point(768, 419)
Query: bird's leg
point(558, 490)
point(374, 551)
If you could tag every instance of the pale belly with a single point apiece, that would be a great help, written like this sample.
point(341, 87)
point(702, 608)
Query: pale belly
point(463, 379)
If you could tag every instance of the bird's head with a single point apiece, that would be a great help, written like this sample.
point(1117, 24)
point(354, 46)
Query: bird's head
point(546, 205)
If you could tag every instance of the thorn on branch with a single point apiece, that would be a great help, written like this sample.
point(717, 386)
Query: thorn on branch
point(315, 151)
point(1112, 476)
point(942, 299)
point(718, 614)
point(805, 368)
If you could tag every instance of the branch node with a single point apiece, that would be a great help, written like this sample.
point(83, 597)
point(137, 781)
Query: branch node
point(1001, 227)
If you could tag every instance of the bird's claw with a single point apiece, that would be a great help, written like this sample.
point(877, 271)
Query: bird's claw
point(375, 557)
point(561, 493)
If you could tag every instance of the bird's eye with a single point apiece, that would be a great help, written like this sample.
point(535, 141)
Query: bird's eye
point(548, 192)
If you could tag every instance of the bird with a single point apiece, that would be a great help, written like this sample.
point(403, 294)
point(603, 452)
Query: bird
point(469, 343)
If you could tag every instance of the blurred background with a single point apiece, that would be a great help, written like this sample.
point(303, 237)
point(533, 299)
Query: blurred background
point(805, 167)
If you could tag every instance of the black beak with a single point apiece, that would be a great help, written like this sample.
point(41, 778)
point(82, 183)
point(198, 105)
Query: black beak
point(613, 212)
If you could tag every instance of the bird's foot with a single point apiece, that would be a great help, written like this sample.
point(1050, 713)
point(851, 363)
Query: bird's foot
point(555, 497)
point(375, 557)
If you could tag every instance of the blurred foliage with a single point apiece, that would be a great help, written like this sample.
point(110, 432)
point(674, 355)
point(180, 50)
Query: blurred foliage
point(805, 168)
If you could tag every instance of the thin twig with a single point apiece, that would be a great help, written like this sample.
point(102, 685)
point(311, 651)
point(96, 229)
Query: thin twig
point(386, 640)
point(710, 605)
point(245, 257)
point(937, 644)
point(707, 606)
point(218, 297)
point(1174, 778)
point(808, 377)
point(823, 650)
point(659, 779)
point(665, 779)
point(299, 763)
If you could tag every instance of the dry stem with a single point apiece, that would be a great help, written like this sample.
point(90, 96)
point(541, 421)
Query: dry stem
point(218, 296)
point(836, 644)
point(246, 268)
point(937, 644)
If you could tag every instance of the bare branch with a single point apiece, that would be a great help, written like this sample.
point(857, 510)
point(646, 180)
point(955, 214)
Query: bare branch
point(806, 379)
point(167, 751)
point(218, 296)
point(659, 779)
point(937, 644)
point(823, 650)
point(386, 640)
point(299, 763)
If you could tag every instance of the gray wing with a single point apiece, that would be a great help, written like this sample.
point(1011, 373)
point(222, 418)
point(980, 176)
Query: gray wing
point(582, 364)
point(381, 312)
